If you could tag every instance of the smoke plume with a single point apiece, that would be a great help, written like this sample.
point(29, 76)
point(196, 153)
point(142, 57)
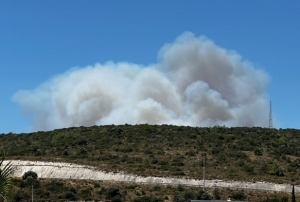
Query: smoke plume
point(194, 83)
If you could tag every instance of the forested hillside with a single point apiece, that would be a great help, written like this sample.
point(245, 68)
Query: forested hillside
point(252, 154)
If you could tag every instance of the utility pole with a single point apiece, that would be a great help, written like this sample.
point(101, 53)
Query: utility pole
point(203, 171)
point(293, 194)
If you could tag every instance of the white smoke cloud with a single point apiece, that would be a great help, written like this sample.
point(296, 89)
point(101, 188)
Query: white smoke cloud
point(194, 83)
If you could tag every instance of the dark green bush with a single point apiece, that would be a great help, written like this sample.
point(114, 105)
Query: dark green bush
point(178, 197)
point(55, 186)
point(96, 185)
point(216, 194)
point(239, 195)
point(65, 152)
point(112, 192)
point(71, 196)
point(180, 188)
point(249, 168)
point(147, 199)
point(82, 140)
point(83, 150)
point(29, 174)
point(202, 195)
point(258, 152)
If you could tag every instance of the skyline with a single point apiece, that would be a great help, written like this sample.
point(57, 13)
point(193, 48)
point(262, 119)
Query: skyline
point(43, 40)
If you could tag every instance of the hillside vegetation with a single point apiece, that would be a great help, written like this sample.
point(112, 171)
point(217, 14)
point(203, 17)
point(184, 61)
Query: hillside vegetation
point(83, 190)
point(241, 153)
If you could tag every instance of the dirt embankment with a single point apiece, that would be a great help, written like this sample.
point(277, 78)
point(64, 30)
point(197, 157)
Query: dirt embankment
point(82, 172)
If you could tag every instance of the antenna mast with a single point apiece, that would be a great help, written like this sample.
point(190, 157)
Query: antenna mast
point(270, 116)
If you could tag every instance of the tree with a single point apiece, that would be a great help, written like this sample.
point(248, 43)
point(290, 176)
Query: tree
point(6, 185)
point(29, 174)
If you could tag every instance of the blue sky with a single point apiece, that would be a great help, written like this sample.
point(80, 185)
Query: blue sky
point(41, 39)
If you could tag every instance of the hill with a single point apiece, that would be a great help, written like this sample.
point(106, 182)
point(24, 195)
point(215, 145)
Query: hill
point(241, 153)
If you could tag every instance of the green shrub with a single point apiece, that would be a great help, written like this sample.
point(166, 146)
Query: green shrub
point(71, 196)
point(85, 193)
point(55, 186)
point(83, 150)
point(147, 199)
point(116, 199)
point(180, 188)
point(72, 189)
point(112, 192)
point(216, 194)
point(188, 195)
point(258, 152)
point(20, 195)
point(239, 195)
point(202, 195)
point(82, 140)
point(178, 198)
point(65, 152)
point(156, 188)
point(276, 170)
point(249, 168)
point(96, 185)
